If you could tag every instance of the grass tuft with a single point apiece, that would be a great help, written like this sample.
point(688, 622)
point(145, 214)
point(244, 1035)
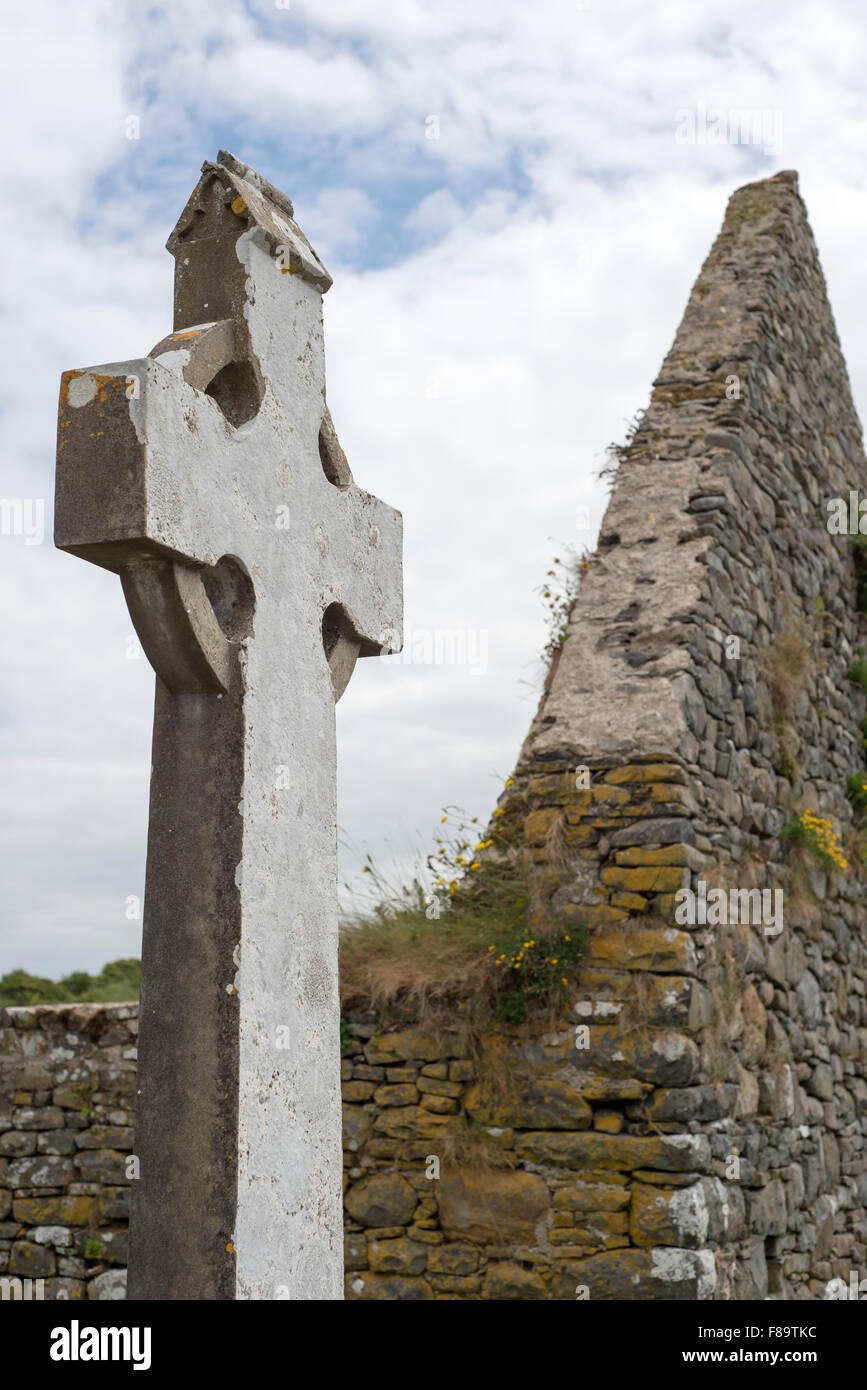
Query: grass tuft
point(461, 949)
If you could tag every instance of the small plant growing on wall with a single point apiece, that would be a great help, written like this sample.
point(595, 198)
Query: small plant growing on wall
point(559, 592)
point(816, 835)
point(535, 972)
point(856, 790)
point(858, 670)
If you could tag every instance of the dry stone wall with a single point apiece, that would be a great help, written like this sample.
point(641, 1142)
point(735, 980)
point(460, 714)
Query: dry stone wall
point(455, 1187)
point(67, 1092)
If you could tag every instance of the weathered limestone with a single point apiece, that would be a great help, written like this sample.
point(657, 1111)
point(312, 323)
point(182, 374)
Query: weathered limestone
point(208, 475)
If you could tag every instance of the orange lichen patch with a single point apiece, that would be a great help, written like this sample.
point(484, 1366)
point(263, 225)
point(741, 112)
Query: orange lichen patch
point(101, 381)
point(102, 384)
point(187, 333)
point(239, 205)
point(287, 270)
point(230, 1248)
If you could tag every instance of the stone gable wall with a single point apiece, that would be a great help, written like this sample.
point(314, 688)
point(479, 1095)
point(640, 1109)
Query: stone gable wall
point(665, 754)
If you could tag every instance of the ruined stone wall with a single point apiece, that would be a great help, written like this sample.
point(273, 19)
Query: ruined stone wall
point(67, 1089)
point(474, 1167)
point(700, 701)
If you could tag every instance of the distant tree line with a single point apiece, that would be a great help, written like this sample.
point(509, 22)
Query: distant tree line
point(118, 981)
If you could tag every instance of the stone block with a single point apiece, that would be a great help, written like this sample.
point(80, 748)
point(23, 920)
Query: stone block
point(544, 1102)
point(410, 1044)
point(510, 1281)
point(659, 947)
point(453, 1259)
point(492, 1206)
point(386, 1287)
point(663, 1275)
point(616, 1152)
point(399, 1256)
point(31, 1261)
point(401, 1094)
point(383, 1199)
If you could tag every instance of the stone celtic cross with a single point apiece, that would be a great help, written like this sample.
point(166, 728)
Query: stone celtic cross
point(208, 476)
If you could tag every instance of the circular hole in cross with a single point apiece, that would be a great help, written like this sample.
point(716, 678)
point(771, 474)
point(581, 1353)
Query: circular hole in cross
point(238, 391)
point(230, 590)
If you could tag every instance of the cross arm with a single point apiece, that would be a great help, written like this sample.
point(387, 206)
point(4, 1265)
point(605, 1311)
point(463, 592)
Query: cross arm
point(124, 483)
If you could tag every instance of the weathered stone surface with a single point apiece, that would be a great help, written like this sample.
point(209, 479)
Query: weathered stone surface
point(357, 1123)
point(40, 1171)
point(642, 948)
point(410, 1045)
point(398, 1256)
point(29, 1118)
point(663, 830)
point(386, 1287)
point(383, 1199)
point(358, 1090)
point(689, 1103)
point(354, 1250)
point(684, 856)
point(498, 1207)
point(413, 1122)
point(616, 1153)
point(100, 1165)
point(651, 878)
point(547, 1102)
point(105, 1137)
point(401, 1094)
point(591, 1198)
point(17, 1143)
point(508, 1281)
point(688, 1217)
point(660, 1056)
point(109, 1286)
point(663, 1274)
point(768, 1210)
point(453, 1259)
point(599, 1088)
point(31, 1261)
point(68, 1290)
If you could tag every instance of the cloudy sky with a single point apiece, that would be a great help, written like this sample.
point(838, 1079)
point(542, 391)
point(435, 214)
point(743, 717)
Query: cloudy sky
point(513, 204)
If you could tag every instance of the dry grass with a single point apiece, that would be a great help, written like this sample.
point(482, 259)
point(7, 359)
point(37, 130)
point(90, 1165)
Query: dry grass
point(784, 666)
point(425, 966)
point(470, 1146)
point(459, 952)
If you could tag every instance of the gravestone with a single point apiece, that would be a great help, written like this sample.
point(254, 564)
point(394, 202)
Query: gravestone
point(208, 475)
